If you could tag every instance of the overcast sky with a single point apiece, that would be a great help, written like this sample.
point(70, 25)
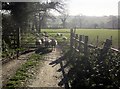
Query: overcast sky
point(93, 7)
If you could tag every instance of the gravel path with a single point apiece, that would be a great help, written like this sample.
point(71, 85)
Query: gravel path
point(48, 76)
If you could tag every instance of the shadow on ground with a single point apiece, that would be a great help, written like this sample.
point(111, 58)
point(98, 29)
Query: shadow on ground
point(43, 50)
point(60, 61)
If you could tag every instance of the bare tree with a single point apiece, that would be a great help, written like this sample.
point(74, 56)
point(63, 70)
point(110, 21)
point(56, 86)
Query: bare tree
point(64, 19)
point(114, 21)
point(80, 20)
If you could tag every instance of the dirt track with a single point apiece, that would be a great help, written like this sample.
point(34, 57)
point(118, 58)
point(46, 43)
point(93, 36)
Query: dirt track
point(47, 75)
point(9, 69)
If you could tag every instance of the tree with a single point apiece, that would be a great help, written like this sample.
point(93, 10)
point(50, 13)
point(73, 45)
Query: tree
point(80, 20)
point(118, 22)
point(95, 25)
point(64, 19)
point(113, 20)
point(24, 13)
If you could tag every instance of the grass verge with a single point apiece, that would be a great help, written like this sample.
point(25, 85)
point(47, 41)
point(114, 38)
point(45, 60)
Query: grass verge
point(25, 72)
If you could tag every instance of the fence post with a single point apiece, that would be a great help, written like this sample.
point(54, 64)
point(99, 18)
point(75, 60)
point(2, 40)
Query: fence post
point(18, 41)
point(86, 46)
point(97, 41)
point(74, 31)
point(71, 39)
point(76, 38)
point(104, 52)
point(105, 49)
point(80, 39)
point(111, 39)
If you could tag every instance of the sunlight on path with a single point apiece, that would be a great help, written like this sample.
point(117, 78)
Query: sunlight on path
point(47, 75)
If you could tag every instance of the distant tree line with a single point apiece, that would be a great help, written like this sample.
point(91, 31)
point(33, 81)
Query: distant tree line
point(81, 21)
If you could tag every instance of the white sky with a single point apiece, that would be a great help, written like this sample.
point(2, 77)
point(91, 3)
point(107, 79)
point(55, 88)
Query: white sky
point(92, 7)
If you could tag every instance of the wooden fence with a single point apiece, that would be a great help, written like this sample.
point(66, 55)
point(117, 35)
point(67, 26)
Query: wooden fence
point(79, 43)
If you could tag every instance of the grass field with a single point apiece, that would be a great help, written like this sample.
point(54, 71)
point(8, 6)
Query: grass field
point(92, 33)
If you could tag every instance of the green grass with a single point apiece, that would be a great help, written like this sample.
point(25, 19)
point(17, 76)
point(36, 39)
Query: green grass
point(92, 33)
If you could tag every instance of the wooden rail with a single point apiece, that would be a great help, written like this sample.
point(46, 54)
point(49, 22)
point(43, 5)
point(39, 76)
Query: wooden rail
point(79, 43)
